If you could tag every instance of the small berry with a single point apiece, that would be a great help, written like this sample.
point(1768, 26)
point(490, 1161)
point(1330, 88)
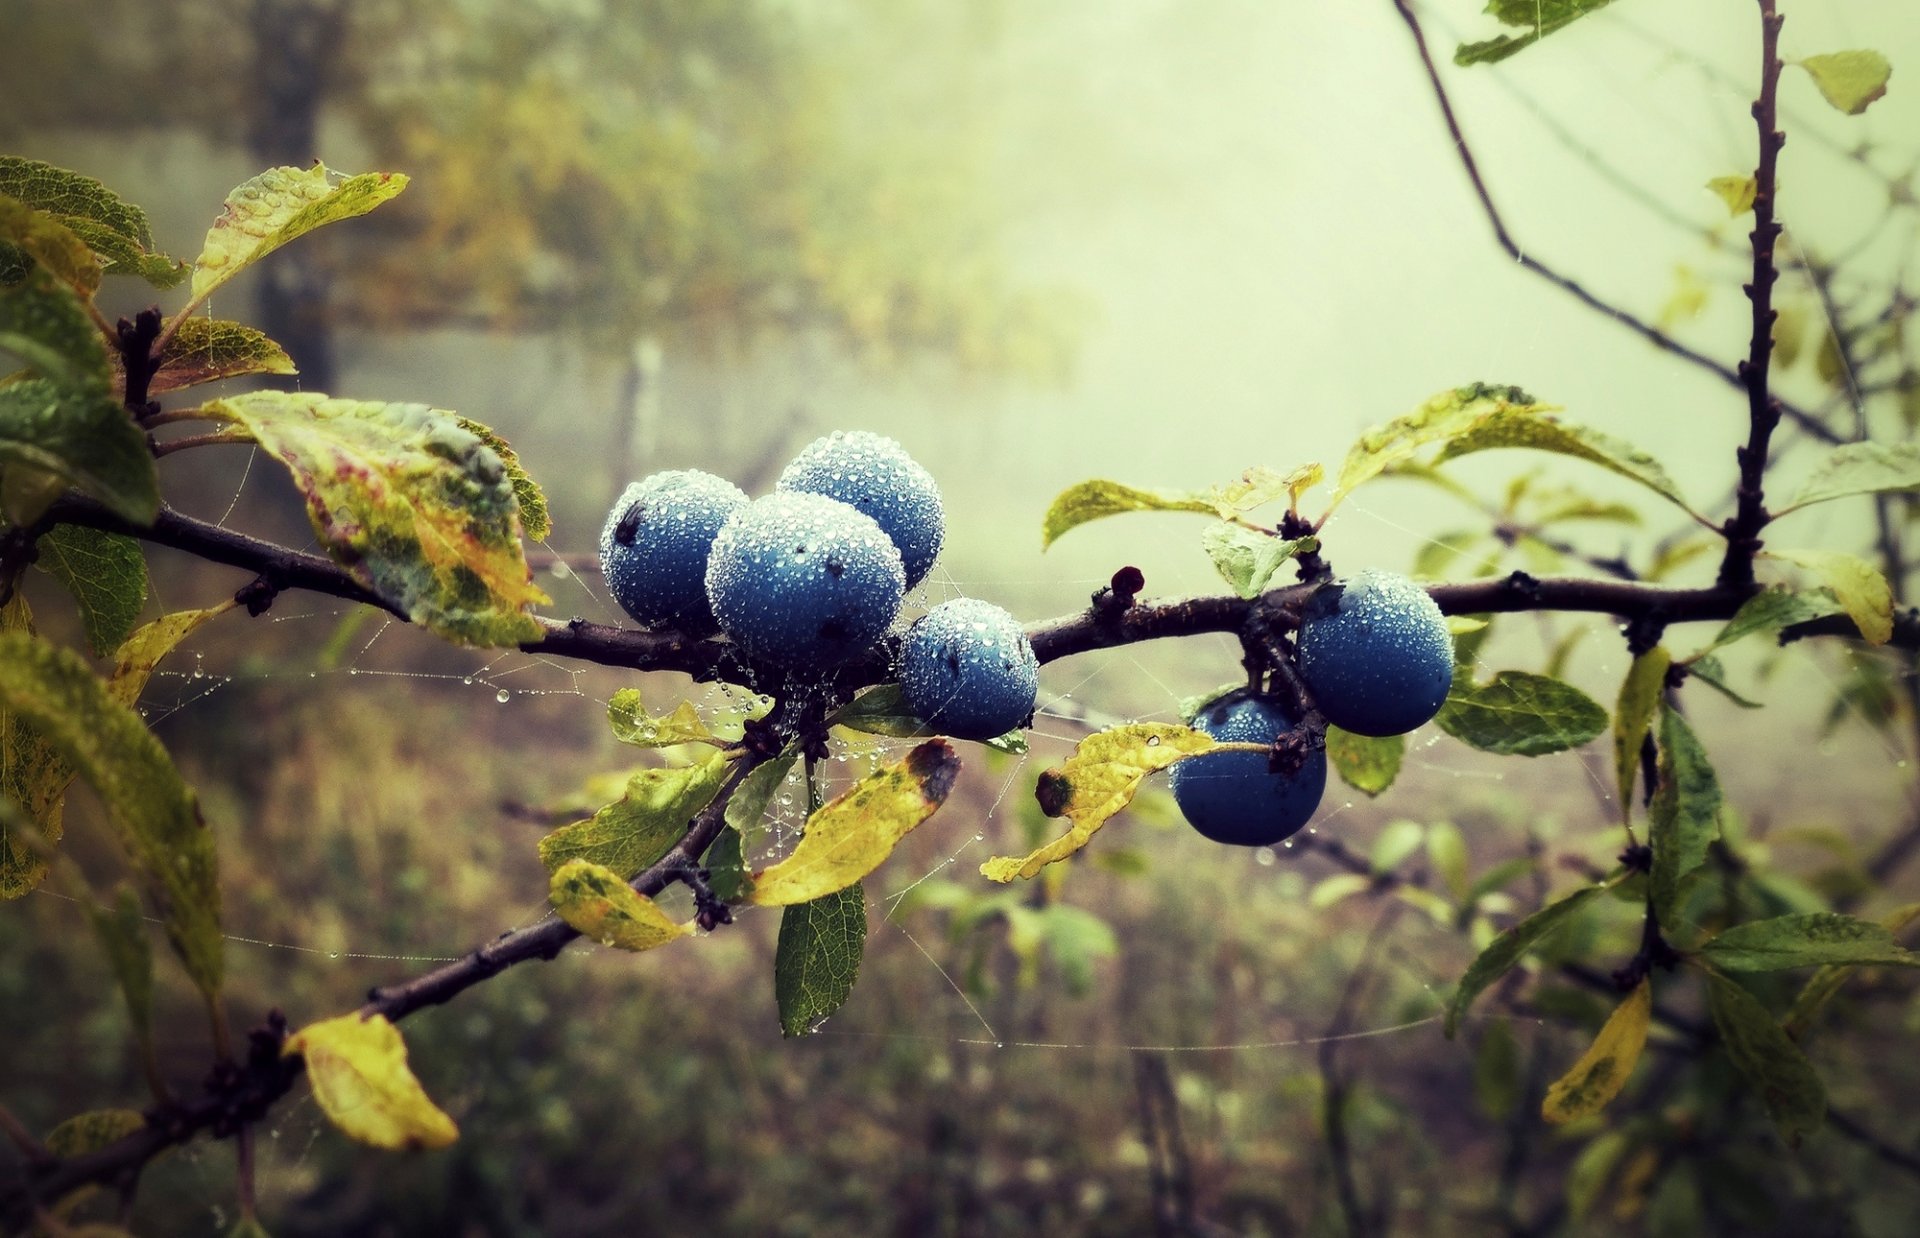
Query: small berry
point(803, 581)
point(968, 670)
point(1234, 797)
point(875, 474)
point(1376, 654)
point(654, 547)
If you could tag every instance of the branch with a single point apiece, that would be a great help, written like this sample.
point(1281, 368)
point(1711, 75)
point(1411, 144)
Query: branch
point(1763, 411)
point(1807, 421)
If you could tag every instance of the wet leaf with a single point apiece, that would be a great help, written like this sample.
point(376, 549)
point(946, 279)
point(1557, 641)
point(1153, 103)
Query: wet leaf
point(883, 710)
point(84, 440)
point(134, 661)
point(360, 1076)
point(633, 725)
point(1807, 940)
point(33, 781)
point(1529, 427)
point(115, 230)
point(1508, 948)
point(1772, 1063)
point(416, 507)
point(1092, 500)
point(105, 572)
point(726, 862)
point(535, 521)
point(1856, 584)
point(1247, 559)
point(1685, 813)
point(1850, 80)
point(606, 909)
point(205, 350)
point(278, 206)
point(1859, 468)
point(1366, 764)
point(641, 826)
point(1640, 695)
point(153, 812)
point(1445, 416)
point(817, 958)
point(1826, 982)
point(1605, 1067)
point(1519, 713)
point(749, 803)
point(850, 835)
point(45, 325)
point(33, 239)
point(1097, 781)
point(1770, 610)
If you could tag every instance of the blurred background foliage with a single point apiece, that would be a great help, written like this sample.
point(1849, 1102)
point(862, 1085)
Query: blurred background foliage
point(1156, 241)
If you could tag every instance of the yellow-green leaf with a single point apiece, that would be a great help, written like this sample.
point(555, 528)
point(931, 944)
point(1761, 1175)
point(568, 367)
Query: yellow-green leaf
point(534, 519)
point(1605, 1067)
point(360, 1076)
point(1736, 191)
point(850, 835)
point(33, 781)
point(607, 910)
point(45, 324)
point(1534, 429)
point(1247, 559)
point(1366, 764)
point(415, 506)
point(1092, 500)
point(154, 813)
point(26, 233)
point(1856, 584)
point(105, 572)
point(1684, 817)
point(115, 230)
point(1849, 80)
point(643, 824)
point(134, 661)
point(1446, 415)
point(1097, 781)
point(1859, 468)
point(883, 710)
point(281, 205)
point(1640, 694)
point(205, 350)
point(92, 1131)
point(633, 725)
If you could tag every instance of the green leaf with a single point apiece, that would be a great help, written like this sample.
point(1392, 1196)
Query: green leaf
point(534, 519)
point(1541, 17)
point(45, 325)
point(1445, 416)
point(606, 909)
point(1519, 713)
point(1398, 841)
point(122, 930)
point(1337, 887)
point(1366, 764)
point(1531, 428)
point(1707, 669)
point(416, 507)
point(1849, 80)
point(31, 239)
point(1771, 1062)
point(33, 782)
point(1640, 695)
point(134, 661)
point(206, 350)
point(1497, 1081)
point(358, 1068)
point(1506, 950)
point(1092, 500)
point(883, 710)
point(152, 810)
point(1684, 815)
point(750, 798)
point(1856, 584)
point(1859, 468)
point(852, 834)
point(281, 205)
point(634, 831)
point(1246, 559)
point(92, 1131)
point(84, 440)
point(1605, 1067)
point(1592, 1169)
point(727, 872)
point(1770, 610)
point(633, 725)
point(1097, 781)
point(1807, 940)
point(114, 229)
point(1738, 193)
point(818, 958)
point(1447, 850)
point(105, 572)
point(1826, 982)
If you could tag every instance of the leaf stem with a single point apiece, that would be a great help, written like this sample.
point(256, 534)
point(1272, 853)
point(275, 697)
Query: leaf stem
point(22, 1138)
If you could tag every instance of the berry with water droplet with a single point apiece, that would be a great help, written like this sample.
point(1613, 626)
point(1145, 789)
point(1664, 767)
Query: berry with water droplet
point(1235, 797)
point(1376, 653)
point(655, 545)
point(968, 670)
point(803, 581)
point(875, 474)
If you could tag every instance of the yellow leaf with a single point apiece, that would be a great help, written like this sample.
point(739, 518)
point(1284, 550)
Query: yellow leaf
point(1849, 80)
point(277, 206)
point(141, 652)
point(1640, 694)
point(849, 836)
point(1604, 1069)
point(608, 910)
point(1097, 781)
point(1856, 584)
point(360, 1077)
point(1736, 191)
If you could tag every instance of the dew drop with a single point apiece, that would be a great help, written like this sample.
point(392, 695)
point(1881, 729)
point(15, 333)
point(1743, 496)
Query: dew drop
point(468, 681)
point(333, 954)
point(1153, 741)
point(502, 696)
point(1264, 857)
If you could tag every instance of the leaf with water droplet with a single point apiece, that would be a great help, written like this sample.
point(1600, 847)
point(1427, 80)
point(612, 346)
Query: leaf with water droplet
point(632, 724)
point(1097, 781)
point(358, 1068)
point(1366, 764)
point(278, 206)
point(644, 823)
point(606, 909)
point(1520, 713)
point(817, 958)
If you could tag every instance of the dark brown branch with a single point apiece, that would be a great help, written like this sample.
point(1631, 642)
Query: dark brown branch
point(1807, 421)
point(1763, 410)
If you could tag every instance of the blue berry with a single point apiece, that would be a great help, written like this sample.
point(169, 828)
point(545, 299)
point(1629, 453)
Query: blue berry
point(1376, 653)
point(875, 474)
point(654, 547)
point(803, 581)
point(1233, 797)
point(968, 670)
